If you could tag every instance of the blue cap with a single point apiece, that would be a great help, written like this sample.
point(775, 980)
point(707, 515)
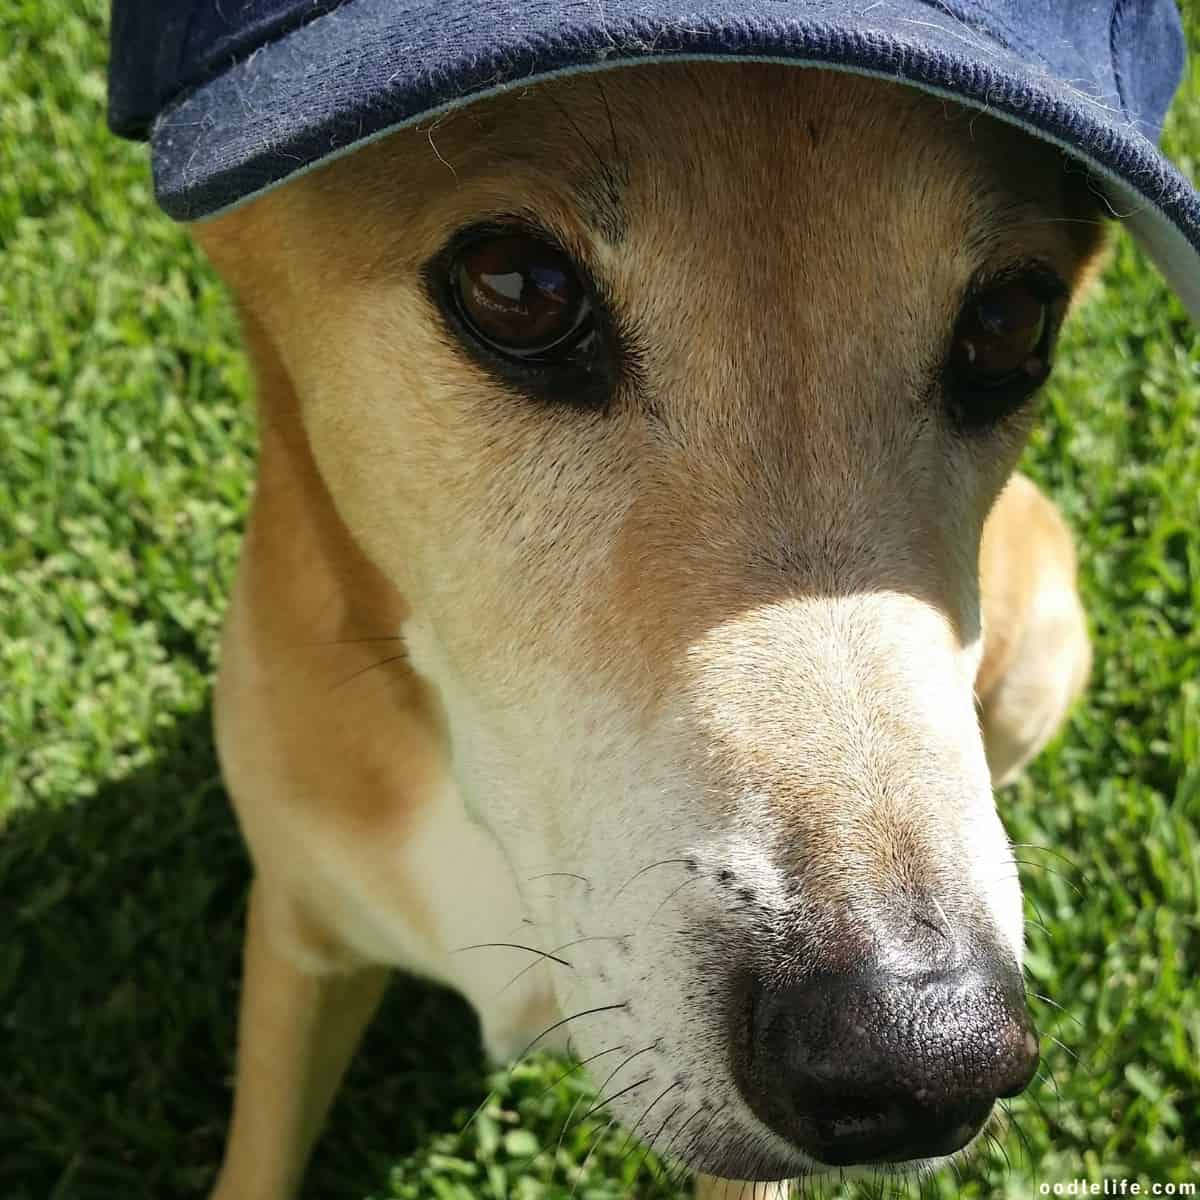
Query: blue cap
point(237, 96)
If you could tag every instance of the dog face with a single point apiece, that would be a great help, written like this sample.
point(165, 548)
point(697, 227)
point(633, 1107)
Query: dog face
point(673, 402)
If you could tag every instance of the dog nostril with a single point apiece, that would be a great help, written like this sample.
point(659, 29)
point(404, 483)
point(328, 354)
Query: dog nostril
point(875, 1067)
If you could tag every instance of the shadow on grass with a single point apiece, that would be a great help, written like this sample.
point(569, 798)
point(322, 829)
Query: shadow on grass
point(120, 938)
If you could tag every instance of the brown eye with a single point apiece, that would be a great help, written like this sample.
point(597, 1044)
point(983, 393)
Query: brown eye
point(521, 296)
point(1002, 345)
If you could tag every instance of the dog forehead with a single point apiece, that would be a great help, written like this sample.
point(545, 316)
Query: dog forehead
point(776, 161)
point(800, 156)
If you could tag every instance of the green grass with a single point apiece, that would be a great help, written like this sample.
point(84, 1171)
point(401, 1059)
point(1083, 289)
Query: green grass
point(125, 452)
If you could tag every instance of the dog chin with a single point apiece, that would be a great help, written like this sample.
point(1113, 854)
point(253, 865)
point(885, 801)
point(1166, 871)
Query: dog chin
point(731, 1159)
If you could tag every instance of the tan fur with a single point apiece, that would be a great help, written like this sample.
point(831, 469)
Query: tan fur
point(1036, 655)
point(757, 578)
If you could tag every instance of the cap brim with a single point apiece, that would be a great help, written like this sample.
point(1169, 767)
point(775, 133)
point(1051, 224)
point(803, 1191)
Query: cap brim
point(369, 68)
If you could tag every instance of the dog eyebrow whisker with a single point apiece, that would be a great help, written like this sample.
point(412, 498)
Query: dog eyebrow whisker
point(1011, 1119)
point(995, 1141)
point(1037, 911)
point(671, 896)
point(648, 1146)
point(520, 1057)
point(587, 883)
point(571, 1123)
point(609, 216)
point(1066, 1049)
point(369, 667)
point(685, 1157)
point(565, 946)
point(665, 862)
point(607, 1100)
point(621, 1066)
point(587, 1012)
point(1033, 222)
point(583, 1062)
point(1042, 1114)
point(1048, 1078)
point(512, 946)
point(588, 1158)
point(1003, 878)
point(1043, 1079)
point(645, 1113)
point(558, 875)
point(358, 641)
point(568, 1123)
point(675, 1136)
point(604, 164)
point(1056, 853)
point(1022, 862)
point(612, 125)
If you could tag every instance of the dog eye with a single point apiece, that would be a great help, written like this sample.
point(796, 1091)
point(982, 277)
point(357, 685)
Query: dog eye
point(521, 297)
point(1002, 347)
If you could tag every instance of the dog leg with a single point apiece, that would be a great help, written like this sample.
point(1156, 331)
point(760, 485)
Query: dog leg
point(1036, 650)
point(296, 1033)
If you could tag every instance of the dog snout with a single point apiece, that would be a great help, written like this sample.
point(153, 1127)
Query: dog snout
point(877, 1066)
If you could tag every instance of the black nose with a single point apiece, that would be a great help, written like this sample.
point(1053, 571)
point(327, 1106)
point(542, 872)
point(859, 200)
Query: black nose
point(872, 1067)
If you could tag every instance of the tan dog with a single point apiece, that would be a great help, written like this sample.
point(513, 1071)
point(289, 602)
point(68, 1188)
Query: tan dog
point(612, 587)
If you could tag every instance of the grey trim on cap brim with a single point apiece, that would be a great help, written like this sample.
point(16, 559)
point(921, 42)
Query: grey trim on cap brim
point(1167, 248)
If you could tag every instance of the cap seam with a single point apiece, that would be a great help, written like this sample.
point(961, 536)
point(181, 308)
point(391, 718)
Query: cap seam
point(1114, 32)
